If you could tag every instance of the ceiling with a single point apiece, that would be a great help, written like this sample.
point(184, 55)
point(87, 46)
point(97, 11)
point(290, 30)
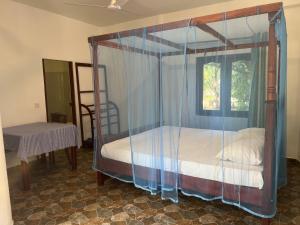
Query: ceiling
point(104, 17)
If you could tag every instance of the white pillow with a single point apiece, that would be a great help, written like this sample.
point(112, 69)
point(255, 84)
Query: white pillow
point(252, 132)
point(244, 151)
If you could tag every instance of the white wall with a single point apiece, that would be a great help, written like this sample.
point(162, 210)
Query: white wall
point(5, 208)
point(27, 35)
point(293, 82)
point(293, 20)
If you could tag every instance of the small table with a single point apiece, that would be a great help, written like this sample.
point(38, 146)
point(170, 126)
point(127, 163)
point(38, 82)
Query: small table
point(39, 138)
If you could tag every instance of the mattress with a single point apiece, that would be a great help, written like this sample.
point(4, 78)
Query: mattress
point(197, 150)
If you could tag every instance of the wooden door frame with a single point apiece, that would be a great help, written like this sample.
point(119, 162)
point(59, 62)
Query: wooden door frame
point(71, 78)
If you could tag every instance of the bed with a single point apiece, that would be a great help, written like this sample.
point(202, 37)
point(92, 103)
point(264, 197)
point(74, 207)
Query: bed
point(191, 73)
point(199, 170)
point(197, 156)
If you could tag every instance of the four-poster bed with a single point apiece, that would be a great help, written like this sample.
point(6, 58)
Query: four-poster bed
point(155, 134)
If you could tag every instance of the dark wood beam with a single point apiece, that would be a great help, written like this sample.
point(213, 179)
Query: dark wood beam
point(215, 33)
point(250, 11)
point(234, 14)
point(216, 49)
point(189, 51)
point(127, 48)
point(163, 41)
point(97, 93)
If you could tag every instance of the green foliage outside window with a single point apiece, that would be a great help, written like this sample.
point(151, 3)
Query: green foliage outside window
point(211, 86)
point(241, 78)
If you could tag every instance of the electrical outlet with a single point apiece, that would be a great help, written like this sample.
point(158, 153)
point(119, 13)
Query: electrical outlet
point(36, 105)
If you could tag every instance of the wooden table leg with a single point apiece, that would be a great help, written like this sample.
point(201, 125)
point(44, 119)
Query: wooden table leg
point(74, 158)
point(43, 158)
point(25, 175)
point(67, 151)
point(51, 158)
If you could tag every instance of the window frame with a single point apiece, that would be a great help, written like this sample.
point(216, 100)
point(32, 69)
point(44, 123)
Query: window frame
point(225, 85)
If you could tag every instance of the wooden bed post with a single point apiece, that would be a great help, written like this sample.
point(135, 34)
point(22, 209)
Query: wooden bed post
point(266, 222)
point(100, 177)
point(159, 86)
point(269, 153)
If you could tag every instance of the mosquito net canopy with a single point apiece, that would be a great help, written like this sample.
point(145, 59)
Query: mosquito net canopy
point(201, 109)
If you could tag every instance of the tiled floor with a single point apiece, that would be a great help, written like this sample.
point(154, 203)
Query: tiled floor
point(60, 196)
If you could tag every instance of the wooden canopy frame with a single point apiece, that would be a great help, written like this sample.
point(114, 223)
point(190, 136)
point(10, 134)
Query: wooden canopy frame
point(200, 22)
point(260, 198)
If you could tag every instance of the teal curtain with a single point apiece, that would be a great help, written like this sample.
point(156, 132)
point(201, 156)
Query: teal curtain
point(256, 116)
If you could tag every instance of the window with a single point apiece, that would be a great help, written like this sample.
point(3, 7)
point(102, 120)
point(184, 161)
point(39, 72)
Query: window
point(224, 85)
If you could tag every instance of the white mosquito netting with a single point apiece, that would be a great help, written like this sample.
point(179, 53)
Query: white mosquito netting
point(194, 110)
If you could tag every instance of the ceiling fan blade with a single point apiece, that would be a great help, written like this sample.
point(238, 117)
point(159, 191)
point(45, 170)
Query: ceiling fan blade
point(83, 4)
point(120, 2)
point(129, 12)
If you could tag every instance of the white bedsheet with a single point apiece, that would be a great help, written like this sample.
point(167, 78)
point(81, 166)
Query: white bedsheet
point(197, 155)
